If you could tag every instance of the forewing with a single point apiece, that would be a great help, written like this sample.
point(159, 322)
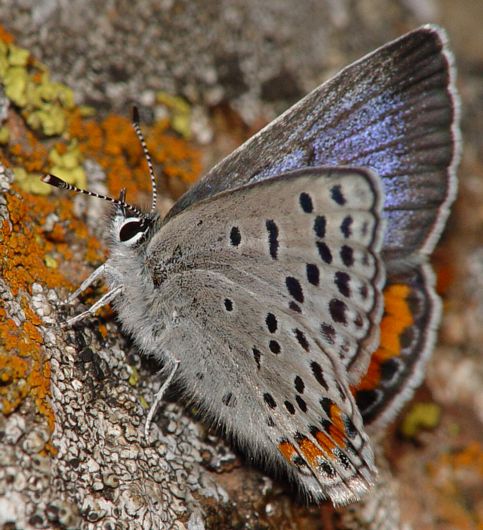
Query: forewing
point(395, 112)
point(274, 290)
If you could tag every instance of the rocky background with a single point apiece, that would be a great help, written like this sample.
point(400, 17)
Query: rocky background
point(206, 75)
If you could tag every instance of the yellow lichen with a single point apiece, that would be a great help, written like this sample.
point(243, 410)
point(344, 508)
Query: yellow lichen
point(180, 113)
point(17, 56)
point(68, 164)
point(4, 135)
point(134, 376)
point(44, 104)
point(420, 416)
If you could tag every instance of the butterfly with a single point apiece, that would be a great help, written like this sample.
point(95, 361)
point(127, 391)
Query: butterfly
point(288, 293)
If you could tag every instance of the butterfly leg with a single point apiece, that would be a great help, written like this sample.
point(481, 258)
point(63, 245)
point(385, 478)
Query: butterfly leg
point(100, 271)
point(157, 398)
point(106, 299)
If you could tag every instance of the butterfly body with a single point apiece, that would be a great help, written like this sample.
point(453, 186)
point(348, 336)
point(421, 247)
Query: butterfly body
point(288, 292)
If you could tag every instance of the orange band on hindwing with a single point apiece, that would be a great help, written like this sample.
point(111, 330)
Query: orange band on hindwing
point(397, 318)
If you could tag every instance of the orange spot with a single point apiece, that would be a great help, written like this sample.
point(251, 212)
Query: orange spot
point(397, 318)
point(288, 451)
point(337, 429)
point(391, 329)
point(326, 443)
point(395, 302)
point(310, 451)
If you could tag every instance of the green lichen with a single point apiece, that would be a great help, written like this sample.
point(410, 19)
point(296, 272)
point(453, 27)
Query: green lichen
point(134, 377)
point(17, 56)
point(68, 165)
point(4, 135)
point(43, 103)
point(30, 182)
point(50, 119)
point(420, 416)
point(180, 113)
point(15, 81)
point(50, 261)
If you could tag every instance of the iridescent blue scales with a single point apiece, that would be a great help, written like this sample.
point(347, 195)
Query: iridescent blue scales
point(289, 292)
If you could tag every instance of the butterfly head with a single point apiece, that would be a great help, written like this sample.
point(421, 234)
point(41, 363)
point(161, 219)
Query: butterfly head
point(131, 227)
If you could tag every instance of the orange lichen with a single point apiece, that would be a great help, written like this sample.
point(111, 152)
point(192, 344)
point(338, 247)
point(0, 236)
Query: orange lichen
point(178, 157)
point(23, 369)
point(24, 246)
point(457, 477)
point(114, 145)
point(29, 152)
point(5, 36)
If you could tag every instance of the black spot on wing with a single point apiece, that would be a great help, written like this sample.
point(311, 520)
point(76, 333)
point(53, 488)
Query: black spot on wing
point(235, 236)
point(274, 347)
point(324, 252)
point(301, 403)
point(299, 384)
point(313, 274)
point(319, 374)
point(301, 339)
point(320, 225)
point(269, 400)
point(294, 288)
point(306, 202)
point(337, 309)
point(347, 255)
point(342, 280)
point(337, 195)
point(346, 226)
point(328, 332)
point(257, 355)
point(271, 322)
point(290, 408)
point(273, 243)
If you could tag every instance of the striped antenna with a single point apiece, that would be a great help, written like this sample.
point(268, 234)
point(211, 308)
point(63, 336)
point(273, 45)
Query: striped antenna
point(61, 184)
point(137, 128)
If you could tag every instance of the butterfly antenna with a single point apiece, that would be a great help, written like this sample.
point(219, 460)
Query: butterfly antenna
point(137, 128)
point(61, 184)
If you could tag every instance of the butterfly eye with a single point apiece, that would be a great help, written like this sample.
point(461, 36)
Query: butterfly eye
point(132, 230)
